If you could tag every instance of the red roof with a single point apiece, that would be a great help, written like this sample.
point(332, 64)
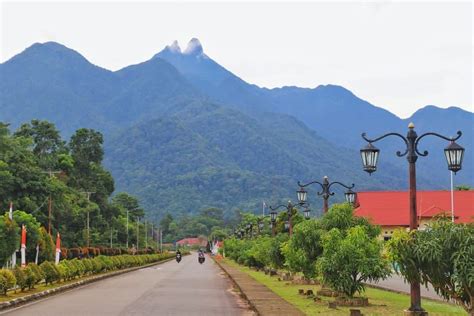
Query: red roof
point(192, 241)
point(391, 208)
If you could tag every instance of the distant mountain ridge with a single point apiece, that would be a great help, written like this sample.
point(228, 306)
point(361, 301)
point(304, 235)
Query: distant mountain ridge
point(180, 122)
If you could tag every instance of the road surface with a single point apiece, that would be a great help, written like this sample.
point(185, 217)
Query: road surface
point(187, 288)
point(396, 283)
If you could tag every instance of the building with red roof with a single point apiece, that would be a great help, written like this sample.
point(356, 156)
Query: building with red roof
point(192, 241)
point(390, 209)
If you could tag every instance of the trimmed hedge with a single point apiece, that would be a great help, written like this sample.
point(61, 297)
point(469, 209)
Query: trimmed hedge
point(70, 269)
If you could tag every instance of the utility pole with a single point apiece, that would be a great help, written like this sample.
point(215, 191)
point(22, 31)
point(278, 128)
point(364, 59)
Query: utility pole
point(111, 237)
point(161, 241)
point(127, 229)
point(51, 173)
point(146, 236)
point(88, 194)
point(138, 225)
point(152, 232)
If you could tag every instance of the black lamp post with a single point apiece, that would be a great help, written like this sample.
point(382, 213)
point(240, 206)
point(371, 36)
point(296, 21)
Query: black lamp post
point(454, 155)
point(289, 209)
point(273, 216)
point(325, 192)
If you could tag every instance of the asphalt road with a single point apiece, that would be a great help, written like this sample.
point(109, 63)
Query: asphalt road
point(187, 288)
point(395, 282)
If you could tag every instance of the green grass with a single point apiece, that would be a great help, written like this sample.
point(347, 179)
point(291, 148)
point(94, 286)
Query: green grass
point(381, 302)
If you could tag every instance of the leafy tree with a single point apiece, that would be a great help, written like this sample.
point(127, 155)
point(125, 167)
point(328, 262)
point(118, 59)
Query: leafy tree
point(47, 142)
point(128, 202)
point(165, 223)
point(304, 247)
point(86, 147)
point(442, 255)
point(9, 238)
point(47, 247)
point(352, 259)
point(341, 216)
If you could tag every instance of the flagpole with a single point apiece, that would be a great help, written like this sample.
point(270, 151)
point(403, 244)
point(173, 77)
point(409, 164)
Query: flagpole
point(10, 215)
point(23, 246)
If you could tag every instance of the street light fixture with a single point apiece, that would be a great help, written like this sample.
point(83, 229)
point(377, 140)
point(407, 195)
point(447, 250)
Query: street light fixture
point(289, 209)
point(454, 155)
point(306, 213)
point(325, 192)
point(350, 196)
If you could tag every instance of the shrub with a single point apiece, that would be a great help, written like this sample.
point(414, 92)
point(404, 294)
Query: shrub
point(30, 277)
point(7, 281)
point(39, 275)
point(50, 272)
point(20, 277)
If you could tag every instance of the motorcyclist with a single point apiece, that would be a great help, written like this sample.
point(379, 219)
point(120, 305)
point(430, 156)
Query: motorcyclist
point(178, 255)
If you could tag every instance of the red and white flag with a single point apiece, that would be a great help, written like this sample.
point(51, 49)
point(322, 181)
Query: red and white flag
point(23, 245)
point(58, 248)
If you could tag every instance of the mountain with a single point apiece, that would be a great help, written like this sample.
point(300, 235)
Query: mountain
point(50, 81)
point(332, 111)
point(203, 154)
point(183, 133)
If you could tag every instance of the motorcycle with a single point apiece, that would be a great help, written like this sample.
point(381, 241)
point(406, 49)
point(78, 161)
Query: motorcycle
point(201, 258)
point(178, 258)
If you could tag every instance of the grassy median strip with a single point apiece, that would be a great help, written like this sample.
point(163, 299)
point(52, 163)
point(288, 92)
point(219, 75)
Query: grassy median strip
point(381, 302)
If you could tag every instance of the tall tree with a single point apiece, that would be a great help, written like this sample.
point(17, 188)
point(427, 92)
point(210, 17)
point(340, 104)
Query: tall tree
point(47, 142)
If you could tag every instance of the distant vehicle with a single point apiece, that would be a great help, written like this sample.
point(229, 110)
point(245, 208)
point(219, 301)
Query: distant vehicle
point(201, 257)
point(178, 256)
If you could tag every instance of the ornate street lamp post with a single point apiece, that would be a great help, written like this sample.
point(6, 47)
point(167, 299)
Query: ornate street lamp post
point(289, 209)
point(325, 192)
point(454, 155)
point(273, 216)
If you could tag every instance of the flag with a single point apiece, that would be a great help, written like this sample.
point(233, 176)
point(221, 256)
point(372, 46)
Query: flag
point(58, 248)
point(23, 245)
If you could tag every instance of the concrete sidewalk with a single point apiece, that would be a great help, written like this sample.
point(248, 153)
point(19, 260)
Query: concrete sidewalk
point(261, 298)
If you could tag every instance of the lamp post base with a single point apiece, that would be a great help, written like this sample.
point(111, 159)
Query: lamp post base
point(415, 313)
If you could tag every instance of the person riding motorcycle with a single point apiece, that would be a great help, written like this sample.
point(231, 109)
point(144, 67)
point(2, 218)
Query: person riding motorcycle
point(201, 256)
point(178, 255)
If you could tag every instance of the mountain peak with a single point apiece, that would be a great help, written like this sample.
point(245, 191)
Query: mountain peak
point(174, 47)
point(194, 47)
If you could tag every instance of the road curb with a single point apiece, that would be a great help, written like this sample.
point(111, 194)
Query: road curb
point(279, 306)
point(242, 293)
point(63, 288)
point(379, 287)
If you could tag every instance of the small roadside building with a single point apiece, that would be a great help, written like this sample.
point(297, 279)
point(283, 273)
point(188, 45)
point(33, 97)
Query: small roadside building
point(390, 209)
point(195, 242)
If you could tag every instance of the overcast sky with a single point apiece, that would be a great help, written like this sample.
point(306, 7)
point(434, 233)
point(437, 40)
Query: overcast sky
point(397, 55)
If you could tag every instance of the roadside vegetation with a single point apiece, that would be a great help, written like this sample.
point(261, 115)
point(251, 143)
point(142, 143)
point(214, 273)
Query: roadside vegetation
point(344, 252)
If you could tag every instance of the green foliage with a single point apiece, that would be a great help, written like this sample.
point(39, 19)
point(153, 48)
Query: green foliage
point(304, 247)
point(351, 259)
point(442, 255)
point(341, 216)
point(47, 246)
point(31, 277)
point(9, 238)
point(7, 281)
point(20, 277)
point(50, 272)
